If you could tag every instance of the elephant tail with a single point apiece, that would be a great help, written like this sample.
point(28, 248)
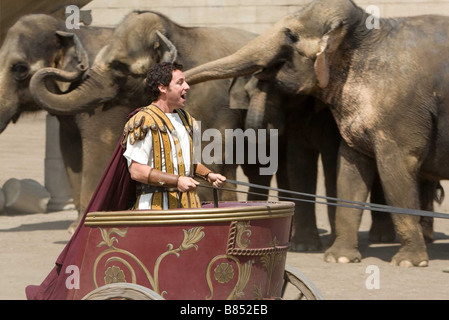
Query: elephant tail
point(439, 194)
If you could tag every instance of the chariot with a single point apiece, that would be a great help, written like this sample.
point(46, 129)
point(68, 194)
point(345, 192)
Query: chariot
point(226, 250)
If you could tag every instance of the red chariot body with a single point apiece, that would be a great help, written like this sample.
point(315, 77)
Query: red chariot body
point(235, 251)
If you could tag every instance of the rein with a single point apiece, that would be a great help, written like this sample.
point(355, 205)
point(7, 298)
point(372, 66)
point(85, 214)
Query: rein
point(329, 200)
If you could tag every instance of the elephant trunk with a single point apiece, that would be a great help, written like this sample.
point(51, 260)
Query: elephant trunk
point(94, 90)
point(228, 67)
point(255, 55)
point(256, 110)
point(9, 101)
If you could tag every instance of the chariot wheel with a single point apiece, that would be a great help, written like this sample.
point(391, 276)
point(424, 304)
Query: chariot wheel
point(125, 291)
point(295, 281)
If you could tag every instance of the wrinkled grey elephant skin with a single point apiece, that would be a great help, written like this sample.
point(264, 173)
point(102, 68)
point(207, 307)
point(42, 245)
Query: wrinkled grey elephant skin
point(142, 39)
point(388, 90)
point(38, 41)
point(308, 131)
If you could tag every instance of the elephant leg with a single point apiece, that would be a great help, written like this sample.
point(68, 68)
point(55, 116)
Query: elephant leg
point(329, 161)
point(230, 172)
point(70, 144)
point(252, 173)
point(75, 176)
point(355, 175)
point(398, 175)
point(427, 194)
point(382, 227)
point(99, 136)
point(94, 164)
point(282, 174)
point(303, 168)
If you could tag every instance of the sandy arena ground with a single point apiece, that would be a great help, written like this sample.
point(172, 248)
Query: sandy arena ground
point(30, 244)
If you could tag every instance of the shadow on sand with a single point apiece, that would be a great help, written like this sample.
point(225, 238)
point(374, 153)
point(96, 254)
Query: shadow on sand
point(49, 225)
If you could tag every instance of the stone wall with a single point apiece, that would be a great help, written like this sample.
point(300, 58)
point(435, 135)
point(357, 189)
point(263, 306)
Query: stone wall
point(252, 15)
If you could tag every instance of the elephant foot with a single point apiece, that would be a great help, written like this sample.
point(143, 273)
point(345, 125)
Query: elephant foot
point(304, 247)
point(338, 254)
point(330, 240)
point(74, 225)
point(301, 244)
point(407, 258)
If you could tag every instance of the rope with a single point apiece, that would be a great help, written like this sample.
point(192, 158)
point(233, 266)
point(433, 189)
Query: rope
point(330, 200)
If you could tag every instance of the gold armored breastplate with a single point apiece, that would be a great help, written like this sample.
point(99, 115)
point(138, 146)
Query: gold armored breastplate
point(152, 119)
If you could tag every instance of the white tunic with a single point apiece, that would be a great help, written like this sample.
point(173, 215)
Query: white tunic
point(142, 152)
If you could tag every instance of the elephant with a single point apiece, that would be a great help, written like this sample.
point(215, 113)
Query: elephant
point(387, 89)
point(36, 41)
point(117, 77)
point(308, 131)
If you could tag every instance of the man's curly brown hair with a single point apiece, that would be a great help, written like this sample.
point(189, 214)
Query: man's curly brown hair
point(161, 73)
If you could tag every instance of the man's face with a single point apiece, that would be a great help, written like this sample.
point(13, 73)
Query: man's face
point(177, 91)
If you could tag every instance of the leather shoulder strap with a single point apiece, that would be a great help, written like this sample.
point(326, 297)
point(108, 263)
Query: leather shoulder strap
point(187, 120)
point(162, 116)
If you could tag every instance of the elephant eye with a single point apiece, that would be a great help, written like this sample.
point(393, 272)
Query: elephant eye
point(302, 54)
point(293, 37)
point(120, 66)
point(21, 71)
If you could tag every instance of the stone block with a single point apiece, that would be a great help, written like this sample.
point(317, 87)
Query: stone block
point(2, 201)
point(265, 14)
point(25, 196)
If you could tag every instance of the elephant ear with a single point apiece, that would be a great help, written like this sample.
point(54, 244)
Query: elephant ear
point(238, 95)
point(75, 57)
point(166, 49)
point(329, 44)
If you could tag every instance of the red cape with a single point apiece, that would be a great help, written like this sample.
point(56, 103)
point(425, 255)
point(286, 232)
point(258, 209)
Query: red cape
point(115, 191)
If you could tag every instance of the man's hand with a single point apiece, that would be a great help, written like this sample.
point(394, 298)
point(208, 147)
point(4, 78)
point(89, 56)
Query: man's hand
point(216, 179)
point(186, 184)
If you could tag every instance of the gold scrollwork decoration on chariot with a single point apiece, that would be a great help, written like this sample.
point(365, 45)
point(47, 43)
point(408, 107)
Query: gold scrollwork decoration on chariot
point(190, 240)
